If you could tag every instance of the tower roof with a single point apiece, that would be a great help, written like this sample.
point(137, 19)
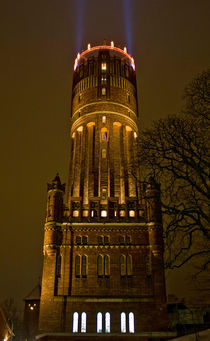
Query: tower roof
point(34, 294)
point(56, 184)
point(92, 50)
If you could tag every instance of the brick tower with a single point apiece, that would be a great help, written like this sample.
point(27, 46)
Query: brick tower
point(103, 270)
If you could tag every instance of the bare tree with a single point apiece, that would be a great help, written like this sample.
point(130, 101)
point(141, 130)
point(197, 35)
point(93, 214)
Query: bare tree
point(175, 151)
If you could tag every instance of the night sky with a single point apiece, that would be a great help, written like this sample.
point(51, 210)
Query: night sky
point(169, 40)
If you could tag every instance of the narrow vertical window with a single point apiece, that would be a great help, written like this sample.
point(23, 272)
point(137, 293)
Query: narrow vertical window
point(99, 323)
point(122, 266)
point(83, 322)
point(106, 265)
point(103, 119)
point(103, 153)
point(104, 136)
point(78, 240)
point(123, 323)
point(103, 66)
point(106, 240)
point(122, 240)
point(77, 266)
point(107, 323)
point(100, 266)
point(84, 240)
point(131, 322)
point(103, 91)
point(58, 266)
point(84, 266)
point(75, 322)
point(129, 265)
point(100, 240)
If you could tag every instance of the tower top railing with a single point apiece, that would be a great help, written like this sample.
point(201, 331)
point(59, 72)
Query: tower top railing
point(89, 50)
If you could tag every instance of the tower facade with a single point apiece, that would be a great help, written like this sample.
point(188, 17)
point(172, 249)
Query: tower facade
point(103, 269)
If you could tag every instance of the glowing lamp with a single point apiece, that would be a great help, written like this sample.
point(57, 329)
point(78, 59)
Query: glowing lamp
point(125, 49)
point(88, 46)
point(112, 44)
point(78, 55)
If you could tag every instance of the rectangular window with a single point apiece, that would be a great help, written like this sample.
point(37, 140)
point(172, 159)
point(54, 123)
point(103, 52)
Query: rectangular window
point(103, 66)
point(106, 240)
point(84, 266)
point(103, 119)
point(78, 240)
point(84, 240)
point(103, 91)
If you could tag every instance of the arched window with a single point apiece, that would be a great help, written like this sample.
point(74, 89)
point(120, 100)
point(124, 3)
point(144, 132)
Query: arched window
point(129, 265)
point(104, 136)
point(103, 153)
point(99, 323)
point(83, 322)
point(131, 322)
point(100, 265)
point(75, 322)
point(78, 240)
point(122, 265)
point(106, 265)
point(107, 323)
point(123, 322)
point(77, 266)
point(84, 266)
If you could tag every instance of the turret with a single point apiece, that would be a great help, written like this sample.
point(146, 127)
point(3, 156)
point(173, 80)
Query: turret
point(56, 192)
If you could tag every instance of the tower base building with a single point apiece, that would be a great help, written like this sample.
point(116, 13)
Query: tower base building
point(103, 271)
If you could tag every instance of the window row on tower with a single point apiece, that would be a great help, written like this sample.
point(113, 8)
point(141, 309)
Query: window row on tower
point(103, 266)
point(103, 322)
point(103, 240)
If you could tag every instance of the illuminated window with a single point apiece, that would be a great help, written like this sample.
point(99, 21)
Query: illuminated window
point(99, 323)
point(103, 91)
point(84, 266)
point(131, 322)
point(92, 213)
point(103, 153)
point(123, 322)
point(131, 213)
point(75, 322)
point(103, 66)
point(77, 266)
point(107, 323)
point(75, 213)
point(104, 136)
point(135, 135)
point(103, 119)
point(122, 266)
point(106, 265)
point(83, 322)
point(103, 213)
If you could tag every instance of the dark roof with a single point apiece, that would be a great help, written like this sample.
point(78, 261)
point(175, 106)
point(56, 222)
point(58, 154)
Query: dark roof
point(34, 294)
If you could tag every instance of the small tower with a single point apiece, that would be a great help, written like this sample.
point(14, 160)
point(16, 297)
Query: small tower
point(155, 229)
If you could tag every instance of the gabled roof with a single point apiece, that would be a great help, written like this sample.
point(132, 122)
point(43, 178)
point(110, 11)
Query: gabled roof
point(34, 294)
